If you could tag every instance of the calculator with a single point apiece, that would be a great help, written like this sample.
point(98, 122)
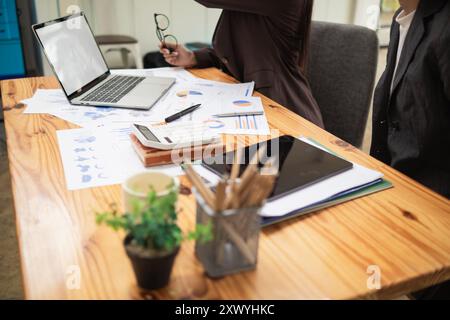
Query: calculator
point(175, 135)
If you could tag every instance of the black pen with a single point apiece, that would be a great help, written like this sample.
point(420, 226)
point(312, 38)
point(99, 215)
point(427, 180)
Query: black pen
point(182, 113)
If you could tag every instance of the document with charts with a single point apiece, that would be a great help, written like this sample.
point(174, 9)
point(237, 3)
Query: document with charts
point(240, 125)
point(95, 157)
point(186, 92)
point(239, 106)
point(54, 102)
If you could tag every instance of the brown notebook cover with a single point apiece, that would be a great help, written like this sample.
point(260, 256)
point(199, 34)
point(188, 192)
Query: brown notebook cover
point(151, 157)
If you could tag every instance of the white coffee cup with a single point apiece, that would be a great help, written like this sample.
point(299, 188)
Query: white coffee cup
point(137, 187)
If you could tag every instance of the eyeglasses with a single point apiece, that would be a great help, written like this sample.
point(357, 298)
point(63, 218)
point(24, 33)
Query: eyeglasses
point(162, 24)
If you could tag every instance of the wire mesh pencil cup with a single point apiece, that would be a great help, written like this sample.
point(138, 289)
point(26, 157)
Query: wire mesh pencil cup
point(236, 238)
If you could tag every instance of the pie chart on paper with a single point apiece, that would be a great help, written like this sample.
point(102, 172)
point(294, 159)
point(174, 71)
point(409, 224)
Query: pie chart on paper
point(185, 93)
point(242, 103)
point(214, 124)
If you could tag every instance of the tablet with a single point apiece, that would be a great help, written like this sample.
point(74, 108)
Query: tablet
point(300, 164)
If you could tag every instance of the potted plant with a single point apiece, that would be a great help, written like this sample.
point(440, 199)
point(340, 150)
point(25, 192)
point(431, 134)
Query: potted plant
point(153, 237)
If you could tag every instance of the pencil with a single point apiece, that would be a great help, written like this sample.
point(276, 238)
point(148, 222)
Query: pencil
point(220, 195)
point(236, 165)
point(198, 183)
point(239, 242)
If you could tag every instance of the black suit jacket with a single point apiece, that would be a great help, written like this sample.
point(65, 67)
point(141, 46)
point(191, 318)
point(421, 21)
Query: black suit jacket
point(259, 40)
point(411, 126)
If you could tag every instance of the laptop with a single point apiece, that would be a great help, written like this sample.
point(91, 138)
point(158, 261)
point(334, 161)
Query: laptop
point(81, 69)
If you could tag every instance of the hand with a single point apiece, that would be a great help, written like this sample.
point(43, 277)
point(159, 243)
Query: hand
point(180, 56)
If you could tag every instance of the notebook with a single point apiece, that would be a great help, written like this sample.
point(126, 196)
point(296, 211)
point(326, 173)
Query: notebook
point(352, 194)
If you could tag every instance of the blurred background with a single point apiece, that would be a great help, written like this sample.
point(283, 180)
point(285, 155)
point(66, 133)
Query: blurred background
point(191, 23)
point(125, 31)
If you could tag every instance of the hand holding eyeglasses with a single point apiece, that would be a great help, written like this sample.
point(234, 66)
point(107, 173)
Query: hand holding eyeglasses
point(174, 53)
point(179, 57)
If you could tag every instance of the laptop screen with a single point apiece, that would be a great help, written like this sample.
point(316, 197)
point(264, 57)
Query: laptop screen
point(71, 49)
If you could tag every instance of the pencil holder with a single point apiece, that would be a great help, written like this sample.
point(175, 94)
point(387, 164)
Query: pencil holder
point(234, 247)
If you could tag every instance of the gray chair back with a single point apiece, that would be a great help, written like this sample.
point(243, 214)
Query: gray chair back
point(342, 69)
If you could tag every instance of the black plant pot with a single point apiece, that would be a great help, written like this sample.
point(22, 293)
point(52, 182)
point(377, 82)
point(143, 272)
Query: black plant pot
point(151, 273)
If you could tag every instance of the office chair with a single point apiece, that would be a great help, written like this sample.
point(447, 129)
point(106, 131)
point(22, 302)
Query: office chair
point(341, 70)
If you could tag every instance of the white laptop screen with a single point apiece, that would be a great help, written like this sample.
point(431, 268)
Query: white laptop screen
point(71, 48)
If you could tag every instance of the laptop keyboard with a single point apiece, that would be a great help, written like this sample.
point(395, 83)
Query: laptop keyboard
point(114, 89)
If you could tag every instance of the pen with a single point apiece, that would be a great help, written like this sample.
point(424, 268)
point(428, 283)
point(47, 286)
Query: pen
point(242, 114)
point(180, 114)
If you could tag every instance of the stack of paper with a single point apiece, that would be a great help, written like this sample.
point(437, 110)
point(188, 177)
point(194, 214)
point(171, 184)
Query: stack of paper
point(321, 191)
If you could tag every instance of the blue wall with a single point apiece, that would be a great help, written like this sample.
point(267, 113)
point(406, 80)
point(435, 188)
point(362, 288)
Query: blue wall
point(11, 55)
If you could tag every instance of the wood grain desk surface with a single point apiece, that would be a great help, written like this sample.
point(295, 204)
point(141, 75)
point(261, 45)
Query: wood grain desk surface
point(404, 231)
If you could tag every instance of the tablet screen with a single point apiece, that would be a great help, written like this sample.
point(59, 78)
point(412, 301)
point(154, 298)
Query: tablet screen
point(300, 164)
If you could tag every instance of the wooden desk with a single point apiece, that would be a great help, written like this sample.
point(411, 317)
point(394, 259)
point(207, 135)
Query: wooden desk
point(404, 231)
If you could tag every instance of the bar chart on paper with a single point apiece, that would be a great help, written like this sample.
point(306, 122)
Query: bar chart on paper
point(246, 123)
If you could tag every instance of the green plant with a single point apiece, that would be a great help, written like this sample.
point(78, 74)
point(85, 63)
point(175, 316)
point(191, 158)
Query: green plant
point(152, 224)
